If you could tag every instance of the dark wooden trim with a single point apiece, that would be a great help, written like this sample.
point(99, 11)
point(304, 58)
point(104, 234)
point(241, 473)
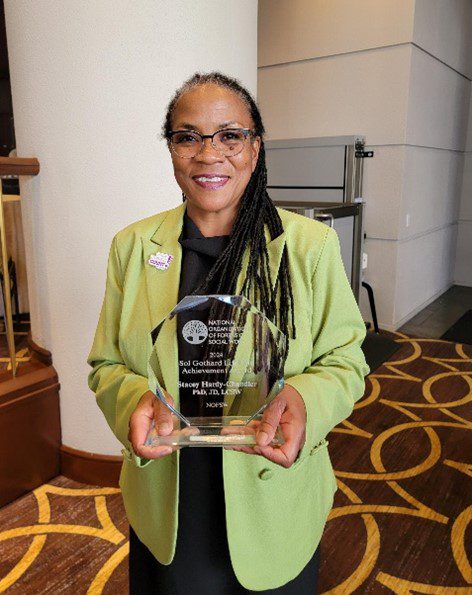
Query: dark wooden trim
point(30, 431)
point(19, 166)
point(26, 384)
point(39, 353)
point(90, 468)
point(79, 465)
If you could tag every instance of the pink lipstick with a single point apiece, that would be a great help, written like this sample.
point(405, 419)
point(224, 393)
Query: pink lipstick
point(211, 181)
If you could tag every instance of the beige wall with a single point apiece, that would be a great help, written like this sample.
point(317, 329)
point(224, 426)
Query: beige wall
point(90, 83)
point(307, 29)
point(396, 72)
point(443, 28)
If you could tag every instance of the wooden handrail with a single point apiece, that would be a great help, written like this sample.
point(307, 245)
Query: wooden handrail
point(11, 166)
point(19, 166)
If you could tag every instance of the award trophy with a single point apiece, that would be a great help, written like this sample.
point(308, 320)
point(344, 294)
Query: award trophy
point(230, 368)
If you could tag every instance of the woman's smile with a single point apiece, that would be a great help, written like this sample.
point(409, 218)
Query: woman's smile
point(211, 181)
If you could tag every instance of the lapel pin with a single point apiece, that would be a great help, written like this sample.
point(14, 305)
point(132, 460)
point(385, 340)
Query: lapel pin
point(160, 260)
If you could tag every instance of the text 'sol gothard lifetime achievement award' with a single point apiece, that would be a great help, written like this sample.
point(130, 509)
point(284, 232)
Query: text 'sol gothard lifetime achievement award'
point(230, 368)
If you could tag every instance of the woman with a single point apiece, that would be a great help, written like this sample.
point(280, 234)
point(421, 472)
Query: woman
point(249, 518)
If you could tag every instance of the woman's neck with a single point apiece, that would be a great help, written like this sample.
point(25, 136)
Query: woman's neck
point(210, 224)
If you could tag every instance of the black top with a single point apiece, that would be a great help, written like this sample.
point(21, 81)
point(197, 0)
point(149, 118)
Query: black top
point(199, 254)
point(202, 562)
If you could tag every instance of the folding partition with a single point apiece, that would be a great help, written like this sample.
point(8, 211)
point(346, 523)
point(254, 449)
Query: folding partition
point(321, 178)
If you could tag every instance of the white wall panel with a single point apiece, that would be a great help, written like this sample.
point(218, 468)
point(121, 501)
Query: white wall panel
point(463, 264)
point(444, 28)
point(302, 29)
point(468, 145)
point(463, 268)
point(325, 70)
point(438, 104)
point(382, 191)
point(466, 198)
point(380, 274)
point(423, 270)
point(363, 93)
point(431, 190)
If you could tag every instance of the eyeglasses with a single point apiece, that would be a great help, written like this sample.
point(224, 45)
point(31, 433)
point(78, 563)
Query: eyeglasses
point(229, 141)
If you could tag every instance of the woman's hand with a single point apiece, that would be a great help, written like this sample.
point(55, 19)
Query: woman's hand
point(288, 411)
point(151, 408)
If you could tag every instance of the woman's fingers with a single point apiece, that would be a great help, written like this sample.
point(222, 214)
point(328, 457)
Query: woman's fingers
point(163, 416)
point(285, 454)
point(153, 452)
point(140, 421)
point(270, 421)
point(140, 425)
point(288, 411)
point(276, 455)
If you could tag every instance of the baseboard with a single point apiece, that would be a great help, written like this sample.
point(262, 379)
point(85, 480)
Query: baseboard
point(81, 466)
point(90, 468)
point(463, 282)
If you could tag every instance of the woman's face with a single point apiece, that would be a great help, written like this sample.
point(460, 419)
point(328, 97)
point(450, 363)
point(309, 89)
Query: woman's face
point(206, 109)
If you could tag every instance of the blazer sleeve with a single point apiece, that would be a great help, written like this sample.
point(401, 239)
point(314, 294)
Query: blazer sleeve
point(116, 387)
point(335, 379)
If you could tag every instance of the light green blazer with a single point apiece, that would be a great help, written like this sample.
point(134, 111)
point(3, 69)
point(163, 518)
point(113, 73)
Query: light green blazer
point(275, 516)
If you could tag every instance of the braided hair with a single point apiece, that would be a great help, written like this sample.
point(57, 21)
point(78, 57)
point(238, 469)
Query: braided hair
point(255, 211)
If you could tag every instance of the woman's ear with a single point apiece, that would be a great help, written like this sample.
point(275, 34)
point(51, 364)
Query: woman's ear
point(255, 147)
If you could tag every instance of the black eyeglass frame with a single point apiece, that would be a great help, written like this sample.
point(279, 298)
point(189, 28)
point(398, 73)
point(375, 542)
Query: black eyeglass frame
point(246, 131)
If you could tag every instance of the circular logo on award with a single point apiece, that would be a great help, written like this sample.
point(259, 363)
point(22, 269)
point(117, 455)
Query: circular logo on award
point(195, 332)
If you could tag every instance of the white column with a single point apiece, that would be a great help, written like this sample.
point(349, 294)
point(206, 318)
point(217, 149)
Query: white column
point(90, 83)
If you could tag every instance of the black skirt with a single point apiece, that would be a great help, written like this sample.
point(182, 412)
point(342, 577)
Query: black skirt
point(202, 562)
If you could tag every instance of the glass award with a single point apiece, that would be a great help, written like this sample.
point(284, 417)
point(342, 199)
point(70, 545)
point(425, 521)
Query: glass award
point(230, 367)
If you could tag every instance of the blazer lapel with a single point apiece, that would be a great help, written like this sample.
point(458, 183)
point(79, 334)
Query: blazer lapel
point(275, 250)
point(162, 287)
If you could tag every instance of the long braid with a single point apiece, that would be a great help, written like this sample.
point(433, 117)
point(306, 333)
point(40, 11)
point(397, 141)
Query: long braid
point(274, 297)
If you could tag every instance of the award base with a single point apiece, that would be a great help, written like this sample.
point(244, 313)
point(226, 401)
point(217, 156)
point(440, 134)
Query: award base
point(213, 431)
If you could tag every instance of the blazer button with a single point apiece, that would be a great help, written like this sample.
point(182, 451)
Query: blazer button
point(266, 474)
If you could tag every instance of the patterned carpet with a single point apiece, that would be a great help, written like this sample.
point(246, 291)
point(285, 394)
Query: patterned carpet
point(403, 463)
point(401, 522)
point(64, 538)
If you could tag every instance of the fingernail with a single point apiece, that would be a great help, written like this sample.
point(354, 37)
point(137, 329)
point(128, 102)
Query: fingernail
point(262, 438)
point(165, 427)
